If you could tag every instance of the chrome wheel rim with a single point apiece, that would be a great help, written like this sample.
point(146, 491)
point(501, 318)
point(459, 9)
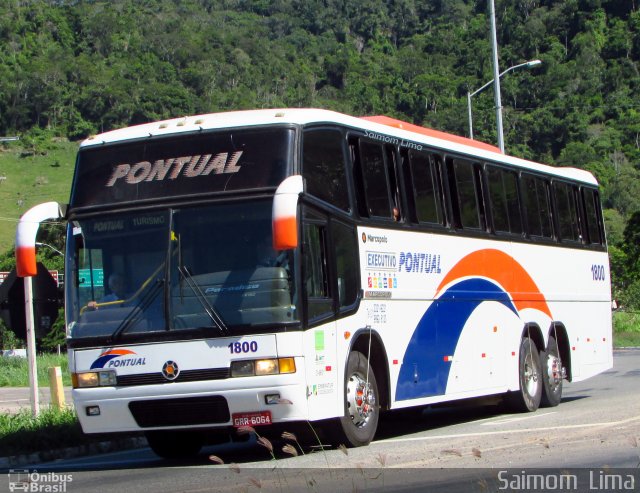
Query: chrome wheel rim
point(554, 372)
point(361, 400)
point(530, 376)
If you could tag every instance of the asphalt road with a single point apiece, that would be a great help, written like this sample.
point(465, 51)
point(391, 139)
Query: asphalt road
point(596, 428)
point(13, 399)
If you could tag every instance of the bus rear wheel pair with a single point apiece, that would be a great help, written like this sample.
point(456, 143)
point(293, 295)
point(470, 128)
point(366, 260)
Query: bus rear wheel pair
point(540, 376)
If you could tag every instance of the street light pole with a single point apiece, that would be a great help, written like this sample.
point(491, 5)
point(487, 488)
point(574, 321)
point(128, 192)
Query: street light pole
point(496, 76)
point(531, 63)
point(39, 243)
point(496, 80)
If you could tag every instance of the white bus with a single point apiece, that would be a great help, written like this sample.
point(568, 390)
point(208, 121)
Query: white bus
point(273, 267)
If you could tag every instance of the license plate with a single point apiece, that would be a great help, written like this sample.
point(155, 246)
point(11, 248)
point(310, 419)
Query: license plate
point(258, 418)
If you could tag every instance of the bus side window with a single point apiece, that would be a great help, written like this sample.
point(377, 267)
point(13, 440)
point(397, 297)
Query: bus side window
point(346, 258)
point(393, 173)
point(503, 197)
point(593, 217)
point(356, 172)
point(537, 208)
point(316, 274)
point(424, 186)
point(323, 167)
point(375, 179)
point(466, 197)
point(567, 211)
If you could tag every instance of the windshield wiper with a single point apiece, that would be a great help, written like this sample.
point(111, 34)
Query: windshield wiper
point(139, 308)
point(208, 308)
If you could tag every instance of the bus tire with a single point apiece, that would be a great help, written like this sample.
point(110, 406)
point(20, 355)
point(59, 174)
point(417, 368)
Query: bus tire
point(527, 398)
point(361, 403)
point(174, 444)
point(551, 375)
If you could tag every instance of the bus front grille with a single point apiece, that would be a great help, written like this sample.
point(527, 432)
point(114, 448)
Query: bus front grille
point(181, 411)
point(184, 376)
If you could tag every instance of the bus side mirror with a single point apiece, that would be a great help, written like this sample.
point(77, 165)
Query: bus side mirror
point(26, 235)
point(284, 222)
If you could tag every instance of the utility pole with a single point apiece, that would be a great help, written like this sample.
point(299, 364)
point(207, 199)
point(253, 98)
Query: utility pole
point(496, 75)
point(529, 64)
point(31, 346)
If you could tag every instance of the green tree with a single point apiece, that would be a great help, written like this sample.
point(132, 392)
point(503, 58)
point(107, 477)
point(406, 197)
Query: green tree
point(8, 339)
point(57, 336)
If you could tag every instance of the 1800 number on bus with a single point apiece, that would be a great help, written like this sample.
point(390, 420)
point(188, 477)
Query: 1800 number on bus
point(252, 419)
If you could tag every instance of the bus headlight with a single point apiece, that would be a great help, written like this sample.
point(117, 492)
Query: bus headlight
point(102, 378)
point(270, 366)
point(267, 367)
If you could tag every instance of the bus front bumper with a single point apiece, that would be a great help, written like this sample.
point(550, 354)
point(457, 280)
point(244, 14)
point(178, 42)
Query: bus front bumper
point(260, 401)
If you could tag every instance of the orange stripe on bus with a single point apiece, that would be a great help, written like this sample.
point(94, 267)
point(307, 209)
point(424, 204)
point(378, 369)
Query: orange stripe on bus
point(502, 268)
point(410, 127)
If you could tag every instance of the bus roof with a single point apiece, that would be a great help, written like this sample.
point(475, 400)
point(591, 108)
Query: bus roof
point(301, 116)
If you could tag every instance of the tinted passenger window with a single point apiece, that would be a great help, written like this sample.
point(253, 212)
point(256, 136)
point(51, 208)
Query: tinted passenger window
point(315, 261)
point(376, 186)
point(323, 167)
point(316, 275)
point(505, 205)
point(426, 183)
point(468, 194)
point(592, 210)
point(346, 249)
point(567, 211)
point(537, 206)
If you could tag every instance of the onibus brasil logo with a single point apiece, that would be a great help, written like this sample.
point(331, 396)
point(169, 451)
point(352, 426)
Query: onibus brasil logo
point(50, 482)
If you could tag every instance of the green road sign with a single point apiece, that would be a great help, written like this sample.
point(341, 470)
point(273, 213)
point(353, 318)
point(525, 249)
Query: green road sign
point(88, 277)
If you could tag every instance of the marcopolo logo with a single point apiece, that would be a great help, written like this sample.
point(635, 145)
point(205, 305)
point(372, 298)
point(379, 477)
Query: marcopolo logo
point(116, 358)
point(373, 238)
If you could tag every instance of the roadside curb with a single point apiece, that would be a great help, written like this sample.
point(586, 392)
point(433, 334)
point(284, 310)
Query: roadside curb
point(72, 452)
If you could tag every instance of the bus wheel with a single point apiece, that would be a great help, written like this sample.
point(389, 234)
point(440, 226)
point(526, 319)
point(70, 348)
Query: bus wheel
point(358, 426)
point(552, 375)
point(174, 444)
point(528, 397)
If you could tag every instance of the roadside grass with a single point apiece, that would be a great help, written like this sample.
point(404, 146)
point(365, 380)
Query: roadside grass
point(32, 177)
point(626, 329)
point(53, 429)
point(14, 372)
point(21, 433)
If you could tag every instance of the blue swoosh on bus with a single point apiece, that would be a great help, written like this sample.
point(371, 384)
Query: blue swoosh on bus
point(485, 275)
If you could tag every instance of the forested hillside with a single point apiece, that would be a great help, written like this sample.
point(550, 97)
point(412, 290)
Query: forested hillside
point(72, 68)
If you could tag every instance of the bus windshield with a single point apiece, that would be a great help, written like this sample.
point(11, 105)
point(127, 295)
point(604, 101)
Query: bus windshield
point(207, 268)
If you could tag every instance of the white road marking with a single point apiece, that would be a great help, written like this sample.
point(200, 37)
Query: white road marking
point(514, 419)
point(424, 462)
point(608, 424)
